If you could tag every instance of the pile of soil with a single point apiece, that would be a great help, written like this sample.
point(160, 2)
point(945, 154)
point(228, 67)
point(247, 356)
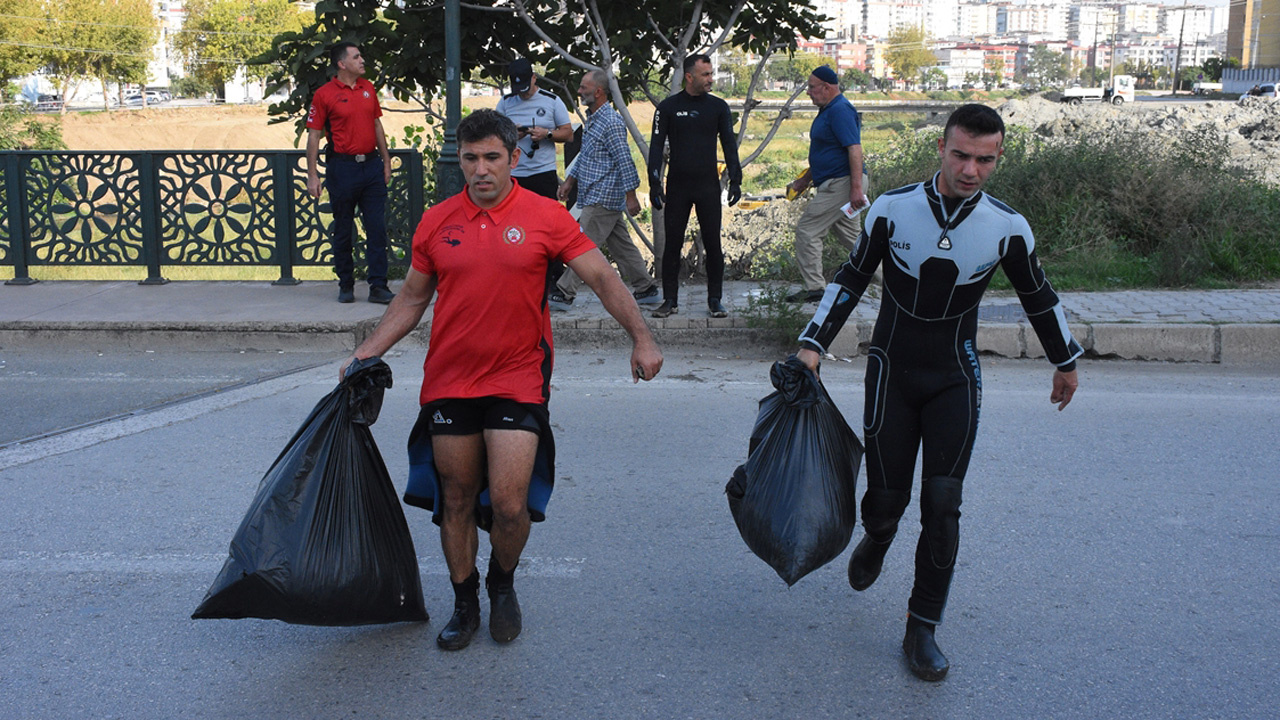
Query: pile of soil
point(1250, 125)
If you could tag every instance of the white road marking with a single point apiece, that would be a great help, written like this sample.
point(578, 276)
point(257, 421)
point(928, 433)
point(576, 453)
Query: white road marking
point(149, 420)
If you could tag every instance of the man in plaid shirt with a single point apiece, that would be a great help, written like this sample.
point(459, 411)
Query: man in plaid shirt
point(606, 179)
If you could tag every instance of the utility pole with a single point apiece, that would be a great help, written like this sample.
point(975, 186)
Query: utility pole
point(448, 170)
point(1177, 58)
point(1115, 21)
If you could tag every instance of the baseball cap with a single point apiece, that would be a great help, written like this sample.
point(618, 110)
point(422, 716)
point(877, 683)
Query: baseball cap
point(520, 72)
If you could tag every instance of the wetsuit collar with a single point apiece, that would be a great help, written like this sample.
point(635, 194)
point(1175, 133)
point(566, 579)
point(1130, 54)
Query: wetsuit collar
point(948, 221)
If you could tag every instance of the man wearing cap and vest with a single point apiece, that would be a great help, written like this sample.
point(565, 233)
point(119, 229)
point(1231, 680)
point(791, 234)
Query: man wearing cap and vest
point(837, 173)
point(357, 169)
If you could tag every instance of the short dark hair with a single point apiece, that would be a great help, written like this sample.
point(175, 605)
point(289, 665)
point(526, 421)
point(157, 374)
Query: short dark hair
point(976, 120)
point(338, 52)
point(692, 60)
point(481, 124)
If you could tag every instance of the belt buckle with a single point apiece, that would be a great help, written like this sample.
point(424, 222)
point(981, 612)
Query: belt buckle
point(361, 158)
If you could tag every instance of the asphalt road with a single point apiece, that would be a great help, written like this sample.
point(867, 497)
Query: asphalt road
point(48, 390)
point(1116, 562)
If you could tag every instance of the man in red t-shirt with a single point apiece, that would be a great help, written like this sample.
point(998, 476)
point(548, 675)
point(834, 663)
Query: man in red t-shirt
point(357, 169)
point(487, 376)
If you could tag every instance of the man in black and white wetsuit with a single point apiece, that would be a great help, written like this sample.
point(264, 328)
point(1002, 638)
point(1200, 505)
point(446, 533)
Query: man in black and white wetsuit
point(940, 242)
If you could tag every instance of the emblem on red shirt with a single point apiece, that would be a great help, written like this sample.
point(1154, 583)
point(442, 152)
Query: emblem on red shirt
point(513, 235)
point(366, 93)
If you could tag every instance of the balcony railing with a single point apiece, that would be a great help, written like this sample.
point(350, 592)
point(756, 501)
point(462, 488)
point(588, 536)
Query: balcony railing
point(159, 209)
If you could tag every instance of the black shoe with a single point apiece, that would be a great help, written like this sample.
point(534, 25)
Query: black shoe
point(666, 308)
point(346, 295)
point(647, 296)
point(504, 612)
point(805, 296)
point(380, 294)
point(461, 628)
point(923, 656)
point(865, 563)
point(559, 301)
point(715, 309)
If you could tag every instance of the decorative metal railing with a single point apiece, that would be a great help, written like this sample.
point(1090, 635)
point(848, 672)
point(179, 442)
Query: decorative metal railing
point(167, 208)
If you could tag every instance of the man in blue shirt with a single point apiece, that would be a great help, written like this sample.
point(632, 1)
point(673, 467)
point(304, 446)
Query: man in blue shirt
point(606, 179)
point(837, 173)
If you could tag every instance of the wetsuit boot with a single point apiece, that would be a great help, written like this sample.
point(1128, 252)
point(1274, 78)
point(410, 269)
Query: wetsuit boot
point(866, 561)
point(924, 658)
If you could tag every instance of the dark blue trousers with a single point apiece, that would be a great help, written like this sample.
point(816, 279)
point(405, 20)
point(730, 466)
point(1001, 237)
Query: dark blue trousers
point(351, 185)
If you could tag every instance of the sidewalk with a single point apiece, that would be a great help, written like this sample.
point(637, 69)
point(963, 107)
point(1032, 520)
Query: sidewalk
point(1215, 326)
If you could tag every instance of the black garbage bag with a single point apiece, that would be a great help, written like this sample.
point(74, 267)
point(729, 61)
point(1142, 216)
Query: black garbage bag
point(325, 541)
point(795, 499)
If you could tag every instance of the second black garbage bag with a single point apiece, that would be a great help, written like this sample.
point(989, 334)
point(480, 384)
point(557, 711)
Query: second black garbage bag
point(794, 501)
point(325, 541)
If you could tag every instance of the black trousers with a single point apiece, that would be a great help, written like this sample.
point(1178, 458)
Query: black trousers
point(703, 196)
point(923, 395)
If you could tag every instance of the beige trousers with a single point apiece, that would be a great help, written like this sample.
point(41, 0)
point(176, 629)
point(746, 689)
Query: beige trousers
point(821, 216)
point(608, 229)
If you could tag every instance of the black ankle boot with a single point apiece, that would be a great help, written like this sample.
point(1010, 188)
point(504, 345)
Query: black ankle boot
point(923, 656)
point(462, 626)
point(504, 609)
point(865, 562)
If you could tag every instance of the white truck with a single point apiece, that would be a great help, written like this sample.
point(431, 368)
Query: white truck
point(1119, 92)
point(1204, 88)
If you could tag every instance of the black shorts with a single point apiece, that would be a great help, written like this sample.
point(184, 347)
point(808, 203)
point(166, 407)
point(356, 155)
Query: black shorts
point(469, 416)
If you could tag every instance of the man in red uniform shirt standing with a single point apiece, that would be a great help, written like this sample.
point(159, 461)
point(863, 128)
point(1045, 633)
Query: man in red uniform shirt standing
point(487, 376)
point(357, 168)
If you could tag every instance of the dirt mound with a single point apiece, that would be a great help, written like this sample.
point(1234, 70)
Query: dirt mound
point(1250, 126)
point(206, 127)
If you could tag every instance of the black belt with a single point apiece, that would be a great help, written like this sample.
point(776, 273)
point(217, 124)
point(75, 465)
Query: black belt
point(352, 158)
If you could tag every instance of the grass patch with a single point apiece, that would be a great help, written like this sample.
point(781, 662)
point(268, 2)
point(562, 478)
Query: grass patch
point(769, 310)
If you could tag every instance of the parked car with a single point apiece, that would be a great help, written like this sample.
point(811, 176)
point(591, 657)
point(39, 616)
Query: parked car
point(161, 92)
point(134, 99)
point(49, 103)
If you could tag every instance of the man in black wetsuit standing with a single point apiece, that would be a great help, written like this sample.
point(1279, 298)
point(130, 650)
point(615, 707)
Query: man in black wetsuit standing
point(689, 121)
point(938, 243)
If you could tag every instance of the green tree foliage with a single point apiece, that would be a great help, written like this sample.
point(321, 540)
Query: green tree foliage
point(992, 72)
point(1046, 67)
point(934, 78)
point(18, 28)
point(1213, 67)
point(221, 36)
point(20, 130)
point(640, 44)
point(124, 36)
point(855, 78)
point(95, 39)
point(797, 67)
point(908, 52)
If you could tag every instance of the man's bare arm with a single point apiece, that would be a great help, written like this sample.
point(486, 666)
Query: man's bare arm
point(402, 316)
